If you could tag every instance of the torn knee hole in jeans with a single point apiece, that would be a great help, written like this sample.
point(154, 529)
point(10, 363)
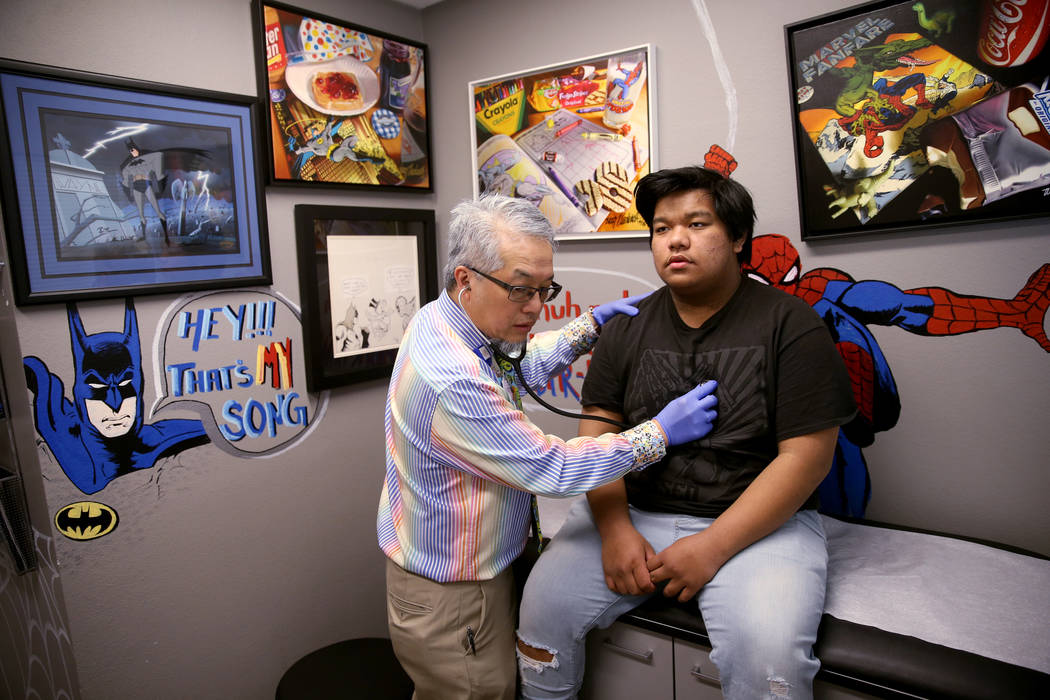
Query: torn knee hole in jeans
point(779, 688)
point(536, 656)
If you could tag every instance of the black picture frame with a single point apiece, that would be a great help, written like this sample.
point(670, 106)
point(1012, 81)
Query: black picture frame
point(359, 269)
point(83, 215)
point(378, 140)
point(893, 107)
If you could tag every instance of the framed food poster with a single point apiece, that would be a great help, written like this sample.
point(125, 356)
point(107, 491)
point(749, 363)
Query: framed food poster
point(346, 105)
point(915, 115)
point(363, 273)
point(572, 138)
point(115, 187)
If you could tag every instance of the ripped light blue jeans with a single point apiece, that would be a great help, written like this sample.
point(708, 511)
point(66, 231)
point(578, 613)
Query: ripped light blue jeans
point(761, 609)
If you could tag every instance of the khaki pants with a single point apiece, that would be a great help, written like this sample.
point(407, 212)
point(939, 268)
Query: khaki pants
point(429, 624)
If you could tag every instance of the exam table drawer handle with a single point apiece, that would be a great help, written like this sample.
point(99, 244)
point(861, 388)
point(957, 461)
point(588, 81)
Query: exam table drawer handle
point(646, 657)
point(701, 676)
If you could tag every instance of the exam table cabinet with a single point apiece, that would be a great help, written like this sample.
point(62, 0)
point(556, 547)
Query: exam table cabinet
point(625, 662)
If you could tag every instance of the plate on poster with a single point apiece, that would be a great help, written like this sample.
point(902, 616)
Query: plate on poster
point(300, 75)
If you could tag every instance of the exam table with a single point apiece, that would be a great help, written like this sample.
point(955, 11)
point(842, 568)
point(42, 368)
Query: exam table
point(908, 613)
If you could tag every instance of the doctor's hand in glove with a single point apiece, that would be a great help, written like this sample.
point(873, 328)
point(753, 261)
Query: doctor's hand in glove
point(627, 305)
point(691, 416)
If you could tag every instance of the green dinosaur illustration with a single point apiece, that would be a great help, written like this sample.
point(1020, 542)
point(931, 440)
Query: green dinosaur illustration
point(939, 23)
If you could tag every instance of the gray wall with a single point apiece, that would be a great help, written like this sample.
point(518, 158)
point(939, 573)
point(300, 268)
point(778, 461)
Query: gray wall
point(232, 568)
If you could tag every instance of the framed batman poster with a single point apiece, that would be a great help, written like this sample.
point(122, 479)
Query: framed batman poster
point(115, 187)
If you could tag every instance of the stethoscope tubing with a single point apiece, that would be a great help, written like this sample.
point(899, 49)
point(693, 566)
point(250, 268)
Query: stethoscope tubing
point(516, 363)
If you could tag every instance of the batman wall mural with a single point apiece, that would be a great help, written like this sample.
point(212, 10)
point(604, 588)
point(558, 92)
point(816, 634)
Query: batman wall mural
point(101, 434)
point(86, 520)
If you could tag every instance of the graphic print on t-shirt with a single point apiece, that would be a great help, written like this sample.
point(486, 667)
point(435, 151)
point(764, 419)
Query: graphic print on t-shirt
point(662, 375)
point(697, 471)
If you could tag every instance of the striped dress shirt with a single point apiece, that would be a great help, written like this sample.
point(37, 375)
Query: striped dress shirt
point(462, 460)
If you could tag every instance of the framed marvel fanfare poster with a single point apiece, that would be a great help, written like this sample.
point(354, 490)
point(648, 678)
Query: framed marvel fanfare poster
point(910, 115)
point(346, 105)
point(573, 138)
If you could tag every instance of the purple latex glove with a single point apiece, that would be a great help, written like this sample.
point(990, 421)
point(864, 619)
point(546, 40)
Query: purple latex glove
point(627, 305)
point(691, 416)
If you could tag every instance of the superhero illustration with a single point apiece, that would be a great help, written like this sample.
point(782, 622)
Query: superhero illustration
point(621, 80)
point(406, 307)
point(330, 142)
point(349, 334)
point(123, 188)
point(379, 317)
point(496, 175)
point(886, 109)
point(101, 435)
point(86, 520)
point(373, 327)
point(848, 307)
point(859, 74)
point(143, 175)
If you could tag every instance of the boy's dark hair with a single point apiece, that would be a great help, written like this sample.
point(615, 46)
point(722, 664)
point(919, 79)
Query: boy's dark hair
point(733, 204)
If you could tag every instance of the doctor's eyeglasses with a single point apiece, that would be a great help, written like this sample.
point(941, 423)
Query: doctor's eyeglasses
point(521, 294)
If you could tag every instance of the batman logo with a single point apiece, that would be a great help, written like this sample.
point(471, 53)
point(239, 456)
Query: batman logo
point(86, 520)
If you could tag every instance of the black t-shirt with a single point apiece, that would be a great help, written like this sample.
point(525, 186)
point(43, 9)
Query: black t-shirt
point(779, 376)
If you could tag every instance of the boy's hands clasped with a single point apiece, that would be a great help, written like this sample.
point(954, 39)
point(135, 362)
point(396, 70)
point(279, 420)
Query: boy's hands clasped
point(687, 565)
point(624, 561)
point(630, 565)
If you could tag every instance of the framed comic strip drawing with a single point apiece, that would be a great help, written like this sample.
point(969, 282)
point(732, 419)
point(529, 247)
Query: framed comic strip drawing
point(346, 105)
point(363, 273)
point(911, 115)
point(115, 187)
point(573, 138)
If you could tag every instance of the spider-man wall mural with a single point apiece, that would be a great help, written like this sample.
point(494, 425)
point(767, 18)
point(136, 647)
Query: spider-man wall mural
point(848, 307)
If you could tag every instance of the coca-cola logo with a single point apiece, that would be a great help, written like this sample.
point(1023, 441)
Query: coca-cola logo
point(1012, 31)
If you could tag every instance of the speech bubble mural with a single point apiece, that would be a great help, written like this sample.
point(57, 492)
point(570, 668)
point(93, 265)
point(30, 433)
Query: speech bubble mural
point(235, 357)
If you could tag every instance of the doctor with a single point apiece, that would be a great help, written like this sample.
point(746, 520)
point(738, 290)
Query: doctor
point(462, 459)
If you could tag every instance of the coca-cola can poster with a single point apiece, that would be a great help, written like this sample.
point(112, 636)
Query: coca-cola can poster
point(346, 105)
point(911, 115)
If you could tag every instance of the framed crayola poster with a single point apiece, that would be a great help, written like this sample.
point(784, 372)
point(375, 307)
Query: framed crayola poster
point(921, 114)
point(573, 138)
point(346, 105)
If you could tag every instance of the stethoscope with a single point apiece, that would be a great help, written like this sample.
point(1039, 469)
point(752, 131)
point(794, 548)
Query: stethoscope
point(515, 362)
